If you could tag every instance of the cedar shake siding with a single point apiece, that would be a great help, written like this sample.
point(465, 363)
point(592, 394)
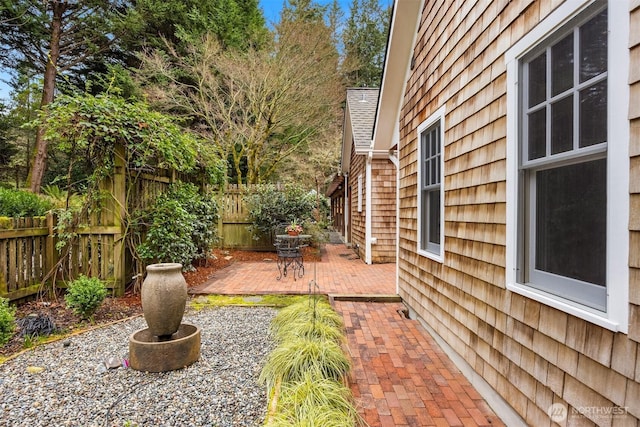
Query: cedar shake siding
point(383, 218)
point(532, 354)
point(356, 218)
point(364, 167)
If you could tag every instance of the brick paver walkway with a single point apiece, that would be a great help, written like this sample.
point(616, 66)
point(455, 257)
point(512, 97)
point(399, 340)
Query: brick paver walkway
point(400, 376)
point(340, 271)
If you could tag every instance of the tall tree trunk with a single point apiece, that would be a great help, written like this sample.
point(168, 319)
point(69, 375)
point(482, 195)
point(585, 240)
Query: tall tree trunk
point(48, 92)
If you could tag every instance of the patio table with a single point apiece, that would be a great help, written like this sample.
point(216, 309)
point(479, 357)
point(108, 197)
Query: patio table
point(289, 249)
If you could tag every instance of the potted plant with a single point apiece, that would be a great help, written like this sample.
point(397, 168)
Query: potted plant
point(294, 228)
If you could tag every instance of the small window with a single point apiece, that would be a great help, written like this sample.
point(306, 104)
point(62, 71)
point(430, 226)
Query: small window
point(430, 195)
point(360, 193)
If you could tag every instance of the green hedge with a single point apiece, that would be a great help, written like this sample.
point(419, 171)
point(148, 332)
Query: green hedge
point(18, 203)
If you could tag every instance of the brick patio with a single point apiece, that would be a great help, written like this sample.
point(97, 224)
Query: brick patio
point(400, 376)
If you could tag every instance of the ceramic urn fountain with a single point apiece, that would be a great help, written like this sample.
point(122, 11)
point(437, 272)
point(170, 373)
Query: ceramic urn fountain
point(167, 343)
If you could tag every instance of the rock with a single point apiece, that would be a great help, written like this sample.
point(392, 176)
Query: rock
point(112, 363)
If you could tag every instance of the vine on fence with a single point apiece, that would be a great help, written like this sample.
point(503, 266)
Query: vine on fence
point(86, 126)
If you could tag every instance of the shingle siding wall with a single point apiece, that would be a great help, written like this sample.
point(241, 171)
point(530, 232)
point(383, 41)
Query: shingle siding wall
point(532, 354)
point(634, 152)
point(383, 210)
point(357, 219)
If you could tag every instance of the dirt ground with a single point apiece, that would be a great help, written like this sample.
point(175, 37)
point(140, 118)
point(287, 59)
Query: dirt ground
point(114, 309)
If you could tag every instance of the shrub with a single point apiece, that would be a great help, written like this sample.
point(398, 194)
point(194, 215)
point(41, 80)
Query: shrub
point(7, 321)
point(18, 203)
point(270, 207)
point(182, 226)
point(84, 295)
point(169, 236)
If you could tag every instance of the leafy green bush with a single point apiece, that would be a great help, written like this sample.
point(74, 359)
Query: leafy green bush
point(18, 203)
point(182, 226)
point(7, 321)
point(84, 295)
point(270, 207)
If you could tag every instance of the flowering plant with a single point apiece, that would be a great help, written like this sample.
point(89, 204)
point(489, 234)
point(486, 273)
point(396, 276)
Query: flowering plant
point(294, 227)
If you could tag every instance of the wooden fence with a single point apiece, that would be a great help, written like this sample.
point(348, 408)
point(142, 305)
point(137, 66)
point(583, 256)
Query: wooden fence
point(24, 243)
point(234, 224)
point(29, 258)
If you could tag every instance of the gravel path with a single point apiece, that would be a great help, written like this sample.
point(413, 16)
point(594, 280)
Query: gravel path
point(74, 389)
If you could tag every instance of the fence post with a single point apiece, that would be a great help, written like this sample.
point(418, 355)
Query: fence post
point(119, 212)
point(51, 253)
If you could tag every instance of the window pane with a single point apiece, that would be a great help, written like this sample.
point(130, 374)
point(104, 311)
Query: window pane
point(562, 125)
point(562, 65)
point(593, 47)
point(537, 134)
point(424, 220)
point(571, 221)
point(538, 80)
point(434, 216)
point(593, 114)
point(434, 169)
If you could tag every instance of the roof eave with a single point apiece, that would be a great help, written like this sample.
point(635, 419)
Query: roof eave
point(402, 34)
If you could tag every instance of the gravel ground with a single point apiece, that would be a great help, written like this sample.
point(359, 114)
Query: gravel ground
point(75, 389)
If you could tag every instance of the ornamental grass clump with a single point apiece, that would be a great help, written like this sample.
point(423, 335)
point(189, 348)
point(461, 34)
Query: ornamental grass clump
point(294, 357)
point(318, 311)
point(310, 329)
point(315, 401)
point(308, 368)
point(85, 295)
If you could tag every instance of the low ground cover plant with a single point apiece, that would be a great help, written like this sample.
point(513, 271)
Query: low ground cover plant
point(84, 295)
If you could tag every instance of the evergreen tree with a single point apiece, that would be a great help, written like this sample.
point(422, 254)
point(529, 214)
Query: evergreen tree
point(365, 40)
point(56, 37)
point(237, 24)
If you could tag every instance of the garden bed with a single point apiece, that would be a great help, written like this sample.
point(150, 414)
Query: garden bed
point(129, 305)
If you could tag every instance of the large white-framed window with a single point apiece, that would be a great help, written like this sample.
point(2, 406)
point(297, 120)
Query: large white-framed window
point(430, 186)
point(567, 145)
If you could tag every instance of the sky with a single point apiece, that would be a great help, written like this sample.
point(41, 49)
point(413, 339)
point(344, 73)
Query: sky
point(271, 9)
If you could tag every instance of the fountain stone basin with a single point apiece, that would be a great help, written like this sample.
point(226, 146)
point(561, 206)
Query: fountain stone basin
point(151, 353)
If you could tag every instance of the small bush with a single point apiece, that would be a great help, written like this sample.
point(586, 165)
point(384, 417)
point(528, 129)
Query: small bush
point(270, 207)
point(7, 321)
point(182, 226)
point(17, 203)
point(84, 295)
